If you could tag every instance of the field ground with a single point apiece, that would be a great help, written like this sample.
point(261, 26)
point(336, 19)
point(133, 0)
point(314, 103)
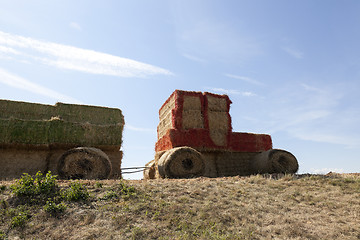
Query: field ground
point(255, 207)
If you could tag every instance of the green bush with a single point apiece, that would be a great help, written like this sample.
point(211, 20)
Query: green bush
point(19, 221)
point(46, 185)
point(24, 187)
point(36, 189)
point(110, 195)
point(2, 235)
point(76, 192)
point(126, 191)
point(54, 209)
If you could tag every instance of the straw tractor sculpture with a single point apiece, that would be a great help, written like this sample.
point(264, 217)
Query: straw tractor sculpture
point(72, 141)
point(195, 138)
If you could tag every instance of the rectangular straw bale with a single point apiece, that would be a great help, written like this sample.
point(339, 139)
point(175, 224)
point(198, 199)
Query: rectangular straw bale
point(217, 104)
point(4, 125)
point(90, 114)
point(84, 134)
point(63, 132)
point(192, 103)
point(25, 111)
point(192, 119)
point(165, 124)
point(218, 121)
point(104, 135)
point(27, 132)
point(165, 115)
point(219, 137)
point(166, 109)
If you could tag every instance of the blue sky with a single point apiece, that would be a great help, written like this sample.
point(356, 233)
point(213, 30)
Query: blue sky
point(291, 68)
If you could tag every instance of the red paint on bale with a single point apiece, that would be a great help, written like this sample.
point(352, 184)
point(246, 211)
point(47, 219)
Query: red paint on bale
point(200, 138)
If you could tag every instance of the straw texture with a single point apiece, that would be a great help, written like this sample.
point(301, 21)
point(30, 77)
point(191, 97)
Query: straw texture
point(165, 115)
point(88, 163)
point(218, 103)
point(37, 124)
point(150, 170)
point(192, 119)
point(181, 162)
point(274, 161)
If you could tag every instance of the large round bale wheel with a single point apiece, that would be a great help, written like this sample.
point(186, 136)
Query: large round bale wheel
point(181, 162)
point(84, 163)
point(275, 161)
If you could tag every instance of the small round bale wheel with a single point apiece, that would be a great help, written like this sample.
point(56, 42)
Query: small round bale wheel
point(275, 161)
point(84, 163)
point(149, 171)
point(181, 162)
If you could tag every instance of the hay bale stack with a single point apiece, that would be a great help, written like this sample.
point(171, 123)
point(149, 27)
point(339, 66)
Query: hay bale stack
point(89, 114)
point(30, 131)
point(219, 120)
point(166, 116)
point(182, 110)
point(25, 111)
point(62, 124)
point(192, 116)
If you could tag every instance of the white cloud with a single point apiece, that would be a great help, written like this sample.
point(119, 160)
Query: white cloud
point(193, 58)
point(248, 94)
point(73, 58)
point(4, 49)
point(294, 52)
point(75, 25)
point(327, 137)
point(232, 92)
point(317, 114)
point(21, 83)
point(245, 79)
point(312, 89)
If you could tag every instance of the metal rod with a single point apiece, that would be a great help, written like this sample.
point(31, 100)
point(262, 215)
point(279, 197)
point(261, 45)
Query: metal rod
point(134, 168)
point(132, 172)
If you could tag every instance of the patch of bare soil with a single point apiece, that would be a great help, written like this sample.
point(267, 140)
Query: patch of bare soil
point(255, 207)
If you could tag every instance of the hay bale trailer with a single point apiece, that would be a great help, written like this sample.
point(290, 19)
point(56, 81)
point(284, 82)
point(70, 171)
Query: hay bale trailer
point(195, 138)
point(72, 141)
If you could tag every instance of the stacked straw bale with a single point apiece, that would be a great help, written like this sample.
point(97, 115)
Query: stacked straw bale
point(34, 136)
point(218, 117)
point(201, 121)
point(166, 116)
point(62, 124)
point(192, 116)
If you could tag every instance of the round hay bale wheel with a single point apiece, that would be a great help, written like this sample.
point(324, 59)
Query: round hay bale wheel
point(181, 162)
point(149, 171)
point(84, 163)
point(275, 161)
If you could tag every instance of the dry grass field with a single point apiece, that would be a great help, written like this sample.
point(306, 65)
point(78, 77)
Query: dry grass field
point(255, 207)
